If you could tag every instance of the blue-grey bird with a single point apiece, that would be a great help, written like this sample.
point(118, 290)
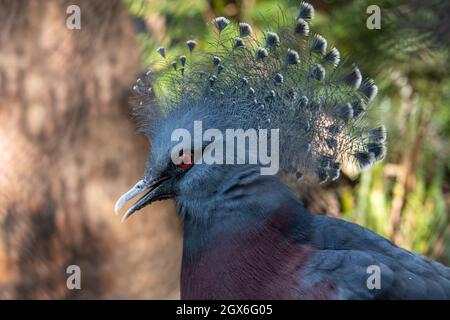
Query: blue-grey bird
point(246, 236)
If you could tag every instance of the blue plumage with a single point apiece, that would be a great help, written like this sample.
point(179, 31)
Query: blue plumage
point(245, 234)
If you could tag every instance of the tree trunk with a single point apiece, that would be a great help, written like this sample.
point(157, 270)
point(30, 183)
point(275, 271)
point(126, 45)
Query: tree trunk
point(68, 149)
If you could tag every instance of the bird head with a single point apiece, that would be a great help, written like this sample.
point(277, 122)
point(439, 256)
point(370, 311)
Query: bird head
point(290, 82)
point(167, 174)
point(178, 167)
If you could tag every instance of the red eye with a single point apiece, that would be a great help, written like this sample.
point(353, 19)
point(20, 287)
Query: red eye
point(184, 161)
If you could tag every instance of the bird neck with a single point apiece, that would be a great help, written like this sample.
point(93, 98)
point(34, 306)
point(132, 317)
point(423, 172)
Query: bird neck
point(243, 241)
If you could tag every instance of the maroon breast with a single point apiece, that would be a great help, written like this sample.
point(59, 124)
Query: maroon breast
point(260, 262)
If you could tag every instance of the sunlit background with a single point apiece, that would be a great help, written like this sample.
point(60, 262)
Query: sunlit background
point(68, 146)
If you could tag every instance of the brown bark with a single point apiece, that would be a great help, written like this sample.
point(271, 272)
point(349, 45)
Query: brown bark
point(68, 150)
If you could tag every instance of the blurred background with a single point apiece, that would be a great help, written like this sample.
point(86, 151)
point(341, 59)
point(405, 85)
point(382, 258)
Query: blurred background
point(69, 148)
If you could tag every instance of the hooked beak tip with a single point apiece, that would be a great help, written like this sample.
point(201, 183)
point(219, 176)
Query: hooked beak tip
point(118, 206)
point(130, 194)
point(153, 193)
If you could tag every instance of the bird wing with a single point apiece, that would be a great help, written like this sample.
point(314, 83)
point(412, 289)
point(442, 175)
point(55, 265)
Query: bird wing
point(349, 255)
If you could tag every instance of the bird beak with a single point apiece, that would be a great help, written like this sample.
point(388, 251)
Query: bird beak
point(153, 192)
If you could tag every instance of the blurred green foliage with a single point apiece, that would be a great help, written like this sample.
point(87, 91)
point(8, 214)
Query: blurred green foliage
point(407, 197)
